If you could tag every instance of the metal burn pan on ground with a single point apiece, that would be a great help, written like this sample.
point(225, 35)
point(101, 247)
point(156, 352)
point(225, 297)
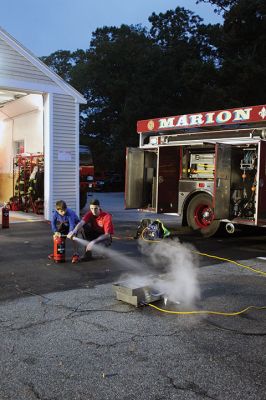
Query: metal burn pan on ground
point(135, 294)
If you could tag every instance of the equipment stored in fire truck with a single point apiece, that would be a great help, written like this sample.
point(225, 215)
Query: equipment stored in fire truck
point(208, 167)
point(86, 173)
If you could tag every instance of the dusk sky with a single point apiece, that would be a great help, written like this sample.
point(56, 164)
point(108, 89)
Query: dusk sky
point(50, 25)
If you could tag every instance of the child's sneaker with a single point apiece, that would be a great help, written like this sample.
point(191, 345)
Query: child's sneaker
point(51, 256)
point(75, 258)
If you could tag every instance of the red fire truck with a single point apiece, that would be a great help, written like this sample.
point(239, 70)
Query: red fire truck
point(86, 173)
point(208, 167)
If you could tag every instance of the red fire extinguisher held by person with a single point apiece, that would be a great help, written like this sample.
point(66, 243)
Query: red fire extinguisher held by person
point(59, 249)
point(5, 217)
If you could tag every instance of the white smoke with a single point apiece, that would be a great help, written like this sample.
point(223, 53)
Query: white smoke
point(169, 267)
point(179, 282)
point(128, 263)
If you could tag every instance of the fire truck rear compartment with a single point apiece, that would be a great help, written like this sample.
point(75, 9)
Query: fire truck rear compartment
point(152, 179)
point(243, 185)
point(208, 167)
point(161, 180)
point(227, 173)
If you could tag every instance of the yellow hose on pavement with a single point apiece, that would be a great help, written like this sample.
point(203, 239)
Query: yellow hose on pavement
point(204, 312)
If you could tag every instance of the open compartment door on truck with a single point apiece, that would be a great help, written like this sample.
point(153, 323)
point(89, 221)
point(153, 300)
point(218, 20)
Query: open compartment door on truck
point(134, 177)
point(261, 185)
point(222, 183)
point(167, 178)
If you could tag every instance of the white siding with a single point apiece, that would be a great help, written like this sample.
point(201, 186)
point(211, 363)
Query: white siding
point(65, 173)
point(21, 70)
point(16, 67)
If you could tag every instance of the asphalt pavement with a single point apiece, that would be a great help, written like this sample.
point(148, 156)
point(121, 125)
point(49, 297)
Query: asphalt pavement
point(65, 336)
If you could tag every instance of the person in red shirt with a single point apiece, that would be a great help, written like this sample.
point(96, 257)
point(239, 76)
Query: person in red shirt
point(97, 228)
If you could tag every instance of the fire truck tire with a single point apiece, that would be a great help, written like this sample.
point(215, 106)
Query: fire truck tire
point(200, 215)
point(82, 199)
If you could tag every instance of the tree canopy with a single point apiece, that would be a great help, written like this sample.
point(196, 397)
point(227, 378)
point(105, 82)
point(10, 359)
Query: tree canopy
point(180, 65)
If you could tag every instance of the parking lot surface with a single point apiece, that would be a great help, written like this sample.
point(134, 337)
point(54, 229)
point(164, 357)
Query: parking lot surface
point(64, 334)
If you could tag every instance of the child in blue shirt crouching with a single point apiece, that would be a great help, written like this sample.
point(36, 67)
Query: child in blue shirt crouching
point(64, 221)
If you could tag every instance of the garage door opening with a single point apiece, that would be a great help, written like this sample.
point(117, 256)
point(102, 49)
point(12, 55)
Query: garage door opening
point(22, 151)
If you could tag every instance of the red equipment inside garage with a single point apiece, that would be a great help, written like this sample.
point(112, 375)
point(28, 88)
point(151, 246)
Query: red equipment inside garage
point(21, 151)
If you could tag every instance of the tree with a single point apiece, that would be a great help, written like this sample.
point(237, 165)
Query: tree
point(192, 61)
point(129, 74)
point(180, 66)
point(242, 51)
point(61, 62)
point(222, 6)
point(121, 71)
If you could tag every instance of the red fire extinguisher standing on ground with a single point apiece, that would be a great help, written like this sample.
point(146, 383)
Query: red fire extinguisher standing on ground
point(59, 249)
point(5, 217)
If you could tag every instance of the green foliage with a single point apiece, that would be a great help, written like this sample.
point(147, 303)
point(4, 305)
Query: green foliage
point(60, 62)
point(180, 66)
point(242, 49)
point(221, 6)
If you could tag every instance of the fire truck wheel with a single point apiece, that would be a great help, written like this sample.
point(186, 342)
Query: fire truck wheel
point(200, 216)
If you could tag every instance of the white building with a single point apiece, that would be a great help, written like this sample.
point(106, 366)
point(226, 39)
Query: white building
point(39, 112)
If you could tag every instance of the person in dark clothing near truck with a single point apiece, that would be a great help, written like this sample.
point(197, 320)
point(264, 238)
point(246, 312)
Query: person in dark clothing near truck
point(64, 220)
point(97, 227)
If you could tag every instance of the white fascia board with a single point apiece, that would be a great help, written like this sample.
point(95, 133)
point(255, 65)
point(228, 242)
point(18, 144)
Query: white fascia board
point(31, 87)
point(48, 155)
point(41, 66)
point(77, 160)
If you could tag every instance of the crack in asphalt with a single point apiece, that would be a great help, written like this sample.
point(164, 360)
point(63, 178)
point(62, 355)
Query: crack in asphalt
point(98, 345)
point(33, 324)
point(104, 328)
point(191, 387)
point(39, 323)
point(34, 391)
